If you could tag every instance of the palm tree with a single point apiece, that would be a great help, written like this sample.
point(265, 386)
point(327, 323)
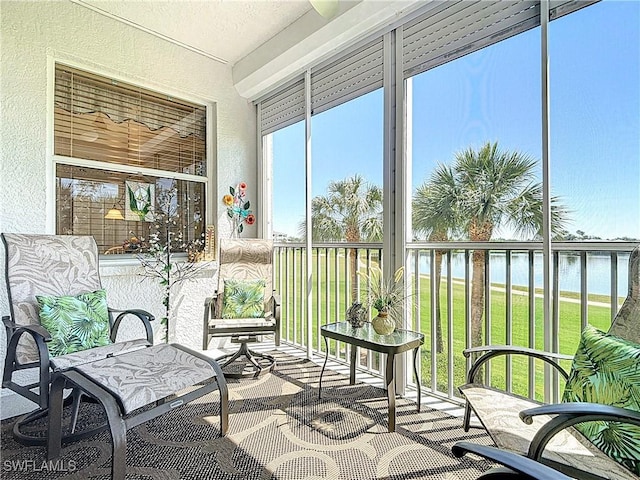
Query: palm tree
point(434, 214)
point(351, 211)
point(485, 189)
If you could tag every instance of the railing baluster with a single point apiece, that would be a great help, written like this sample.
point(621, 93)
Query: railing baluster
point(467, 303)
point(295, 297)
point(614, 284)
point(287, 293)
point(336, 273)
point(584, 291)
point(487, 310)
point(532, 323)
point(555, 327)
point(415, 290)
point(433, 288)
point(508, 317)
point(327, 290)
point(450, 357)
point(317, 297)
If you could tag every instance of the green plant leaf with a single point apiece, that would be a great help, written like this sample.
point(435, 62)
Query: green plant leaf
point(133, 205)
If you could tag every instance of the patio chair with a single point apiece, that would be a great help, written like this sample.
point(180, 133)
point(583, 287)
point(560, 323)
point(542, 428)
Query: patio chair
point(603, 386)
point(244, 307)
point(515, 467)
point(61, 326)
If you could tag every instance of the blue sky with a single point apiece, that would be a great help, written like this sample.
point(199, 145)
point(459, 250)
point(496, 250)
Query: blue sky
point(494, 95)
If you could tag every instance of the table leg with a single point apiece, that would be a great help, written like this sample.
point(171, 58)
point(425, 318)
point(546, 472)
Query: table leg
point(352, 367)
point(326, 357)
point(391, 392)
point(415, 372)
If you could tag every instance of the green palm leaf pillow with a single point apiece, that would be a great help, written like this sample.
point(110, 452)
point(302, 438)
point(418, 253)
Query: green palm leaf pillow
point(243, 299)
point(75, 322)
point(606, 370)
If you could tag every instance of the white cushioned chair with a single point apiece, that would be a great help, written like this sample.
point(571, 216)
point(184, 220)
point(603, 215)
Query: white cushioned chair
point(551, 433)
point(54, 280)
point(244, 307)
point(52, 265)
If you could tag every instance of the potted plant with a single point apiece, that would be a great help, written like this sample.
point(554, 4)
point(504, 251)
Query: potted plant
point(387, 297)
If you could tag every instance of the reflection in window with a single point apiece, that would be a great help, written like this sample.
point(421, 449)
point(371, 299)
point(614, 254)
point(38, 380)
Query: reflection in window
point(119, 209)
point(107, 127)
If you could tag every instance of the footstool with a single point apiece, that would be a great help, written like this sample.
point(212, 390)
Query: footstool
point(124, 383)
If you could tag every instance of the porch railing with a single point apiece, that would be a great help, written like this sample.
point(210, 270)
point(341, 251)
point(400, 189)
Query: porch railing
point(590, 278)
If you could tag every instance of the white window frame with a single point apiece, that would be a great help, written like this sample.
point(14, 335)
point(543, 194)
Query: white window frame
point(54, 160)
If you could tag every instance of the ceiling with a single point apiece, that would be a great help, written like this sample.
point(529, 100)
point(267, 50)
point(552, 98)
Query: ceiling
point(224, 30)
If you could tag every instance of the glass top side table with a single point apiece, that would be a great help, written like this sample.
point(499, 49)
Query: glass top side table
point(398, 342)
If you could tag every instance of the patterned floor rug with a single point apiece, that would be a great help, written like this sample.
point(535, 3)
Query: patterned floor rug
point(279, 429)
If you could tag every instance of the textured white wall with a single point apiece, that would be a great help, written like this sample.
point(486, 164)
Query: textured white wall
point(34, 33)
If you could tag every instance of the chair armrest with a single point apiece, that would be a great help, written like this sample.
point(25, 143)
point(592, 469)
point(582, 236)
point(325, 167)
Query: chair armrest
point(275, 303)
point(211, 306)
point(527, 468)
point(492, 351)
point(34, 328)
point(9, 324)
point(583, 409)
point(506, 349)
point(40, 336)
point(569, 414)
point(145, 317)
point(38, 332)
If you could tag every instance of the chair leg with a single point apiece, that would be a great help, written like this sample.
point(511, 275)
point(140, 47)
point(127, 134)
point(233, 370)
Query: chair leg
point(31, 440)
point(466, 422)
point(253, 357)
point(118, 430)
point(75, 408)
point(54, 434)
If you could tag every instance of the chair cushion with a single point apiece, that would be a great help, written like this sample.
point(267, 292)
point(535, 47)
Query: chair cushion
point(143, 376)
point(499, 412)
point(65, 362)
point(75, 322)
point(606, 370)
point(243, 299)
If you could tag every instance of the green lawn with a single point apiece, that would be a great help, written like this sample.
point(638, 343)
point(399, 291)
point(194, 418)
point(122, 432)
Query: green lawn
point(331, 297)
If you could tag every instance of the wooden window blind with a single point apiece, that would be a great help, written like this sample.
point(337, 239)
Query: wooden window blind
point(97, 118)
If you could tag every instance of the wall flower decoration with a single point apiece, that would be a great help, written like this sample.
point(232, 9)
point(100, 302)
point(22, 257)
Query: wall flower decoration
point(238, 209)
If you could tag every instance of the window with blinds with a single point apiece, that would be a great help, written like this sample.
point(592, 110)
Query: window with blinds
point(111, 127)
point(97, 118)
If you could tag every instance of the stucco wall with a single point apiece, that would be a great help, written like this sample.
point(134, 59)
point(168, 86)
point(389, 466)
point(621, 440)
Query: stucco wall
point(33, 34)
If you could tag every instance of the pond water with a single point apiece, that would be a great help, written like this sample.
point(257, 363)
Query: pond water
point(598, 271)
